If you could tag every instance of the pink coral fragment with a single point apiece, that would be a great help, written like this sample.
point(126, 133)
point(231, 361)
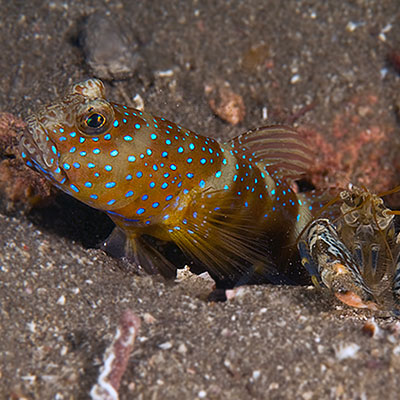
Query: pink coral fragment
point(116, 358)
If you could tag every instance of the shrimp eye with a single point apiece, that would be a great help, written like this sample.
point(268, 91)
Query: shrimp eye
point(95, 120)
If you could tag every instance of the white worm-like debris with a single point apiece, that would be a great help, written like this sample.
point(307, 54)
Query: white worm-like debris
point(116, 358)
point(344, 351)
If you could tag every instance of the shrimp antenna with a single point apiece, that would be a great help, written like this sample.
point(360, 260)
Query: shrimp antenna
point(391, 191)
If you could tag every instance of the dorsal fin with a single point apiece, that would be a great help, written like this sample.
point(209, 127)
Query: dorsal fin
point(279, 147)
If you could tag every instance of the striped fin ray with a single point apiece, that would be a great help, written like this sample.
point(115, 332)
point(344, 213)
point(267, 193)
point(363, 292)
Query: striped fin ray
point(235, 252)
point(277, 146)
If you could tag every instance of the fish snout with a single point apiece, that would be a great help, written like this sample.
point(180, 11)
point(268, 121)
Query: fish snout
point(39, 151)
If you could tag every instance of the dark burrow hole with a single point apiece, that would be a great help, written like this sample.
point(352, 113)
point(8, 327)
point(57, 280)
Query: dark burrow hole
point(73, 220)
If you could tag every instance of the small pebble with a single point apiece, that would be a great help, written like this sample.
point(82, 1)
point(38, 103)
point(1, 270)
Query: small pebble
point(273, 386)
point(182, 348)
point(256, 374)
point(61, 300)
point(396, 351)
point(307, 395)
point(165, 74)
point(236, 292)
point(165, 346)
point(148, 318)
point(225, 103)
point(138, 102)
point(372, 329)
point(295, 79)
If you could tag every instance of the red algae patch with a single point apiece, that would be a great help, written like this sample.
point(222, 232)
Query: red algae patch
point(355, 150)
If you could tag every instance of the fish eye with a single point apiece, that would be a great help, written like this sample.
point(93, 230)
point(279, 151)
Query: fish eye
point(95, 120)
point(95, 117)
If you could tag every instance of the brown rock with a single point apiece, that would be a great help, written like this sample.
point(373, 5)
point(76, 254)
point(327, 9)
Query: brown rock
point(225, 103)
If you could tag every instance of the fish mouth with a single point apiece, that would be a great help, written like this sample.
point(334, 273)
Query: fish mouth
point(39, 151)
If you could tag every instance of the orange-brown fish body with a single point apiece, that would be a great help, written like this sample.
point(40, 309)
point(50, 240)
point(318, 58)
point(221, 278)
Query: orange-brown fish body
point(226, 205)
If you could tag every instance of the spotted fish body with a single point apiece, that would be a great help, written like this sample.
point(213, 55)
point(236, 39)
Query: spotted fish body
point(228, 206)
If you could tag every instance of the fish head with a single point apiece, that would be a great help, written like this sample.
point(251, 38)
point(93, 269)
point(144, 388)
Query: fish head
point(84, 145)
